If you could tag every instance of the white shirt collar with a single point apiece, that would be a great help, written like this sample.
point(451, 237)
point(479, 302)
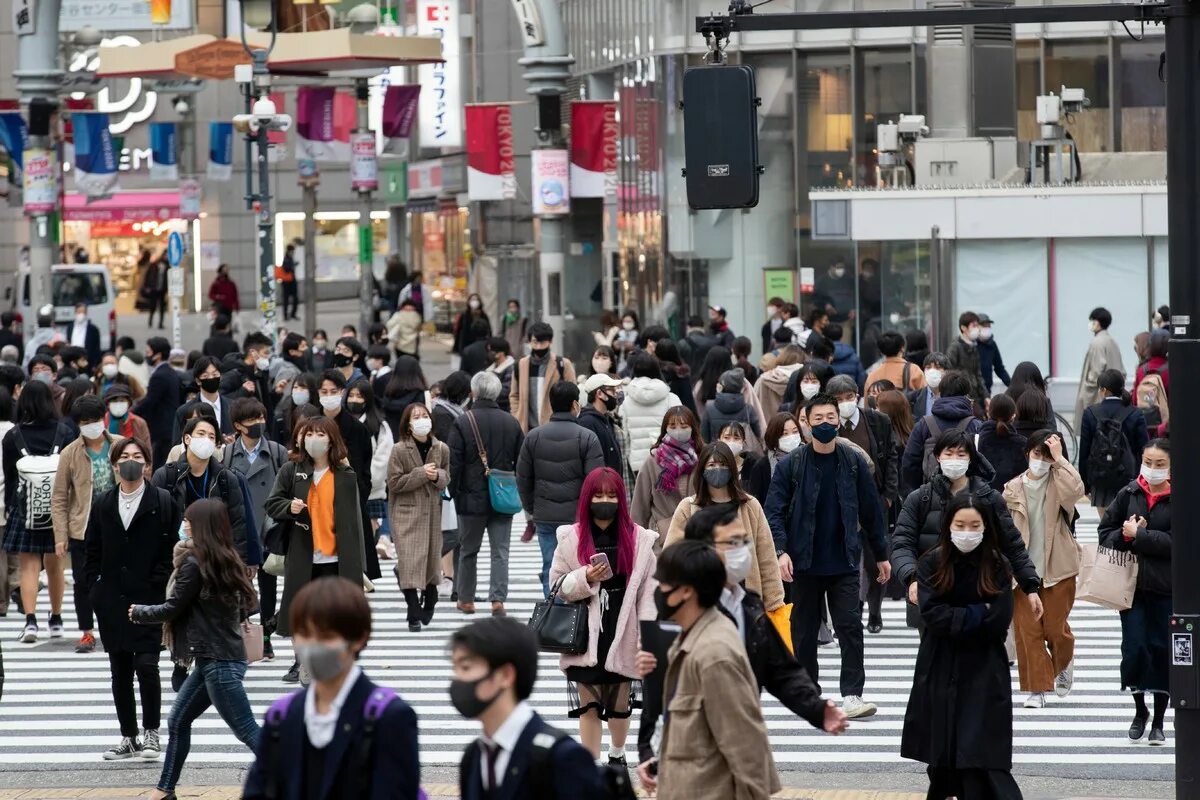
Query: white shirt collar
point(321, 727)
point(853, 421)
point(510, 731)
point(731, 600)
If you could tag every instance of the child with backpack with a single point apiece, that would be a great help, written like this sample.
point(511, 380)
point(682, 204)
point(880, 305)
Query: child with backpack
point(1112, 435)
point(1151, 383)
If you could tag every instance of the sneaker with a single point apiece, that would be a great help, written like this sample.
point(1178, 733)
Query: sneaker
point(446, 588)
point(875, 626)
point(268, 650)
point(1157, 737)
point(1138, 729)
point(385, 550)
point(150, 744)
point(30, 634)
point(1065, 680)
point(86, 643)
point(293, 674)
point(617, 759)
point(368, 586)
point(1036, 700)
point(56, 627)
point(855, 708)
point(128, 748)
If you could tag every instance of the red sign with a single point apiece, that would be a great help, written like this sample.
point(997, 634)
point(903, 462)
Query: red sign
point(491, 164)
point(594, 130)
point(112, 229)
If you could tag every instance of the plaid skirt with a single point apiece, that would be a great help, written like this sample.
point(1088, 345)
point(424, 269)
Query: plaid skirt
point(377, 509)
point(19, 539)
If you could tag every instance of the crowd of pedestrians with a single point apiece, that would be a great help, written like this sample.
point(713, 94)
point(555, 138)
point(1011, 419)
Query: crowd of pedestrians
point(764, 509)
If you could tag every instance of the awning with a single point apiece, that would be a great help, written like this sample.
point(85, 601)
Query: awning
point(122, 206)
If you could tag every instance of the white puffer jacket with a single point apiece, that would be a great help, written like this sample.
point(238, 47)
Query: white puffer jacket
point(646, 403)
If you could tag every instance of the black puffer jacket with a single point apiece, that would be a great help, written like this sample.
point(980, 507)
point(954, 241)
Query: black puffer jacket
point(206, 625)
point(727, 407)
point(502, 438)
point(554, 460)
point(1005, 453)
point(1152, 543)
point(919, 526)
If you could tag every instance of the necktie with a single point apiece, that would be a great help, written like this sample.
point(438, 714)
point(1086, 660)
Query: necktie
point(491, 756)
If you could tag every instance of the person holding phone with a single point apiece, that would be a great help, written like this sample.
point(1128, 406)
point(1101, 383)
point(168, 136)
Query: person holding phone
point(606, 561)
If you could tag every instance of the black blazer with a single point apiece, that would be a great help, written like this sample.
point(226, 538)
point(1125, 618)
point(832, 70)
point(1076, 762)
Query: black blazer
point(163, 396)
point(91, 342)
point(575, 774)
point(395, 766)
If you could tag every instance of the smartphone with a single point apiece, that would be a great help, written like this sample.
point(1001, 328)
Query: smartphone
point(601, 558)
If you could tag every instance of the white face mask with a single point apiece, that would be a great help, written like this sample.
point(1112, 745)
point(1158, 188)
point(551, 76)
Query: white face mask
point(118, 409)
point(772, 312)
point(316, 446)
point(954, 468)
point(1155, 476)
point(933, 377)
point(737, 564)
point(973, 334)
point(422, 426)
point(790, 442)
point(473, 305)
point(966, 541)
point(1038, 467)
point(92, 430)
point(985, 334)
point(809, 390)
point(600, 366)
point(202, 447)
point(81, 319)
point(374, 364)
point(627, 325)
point(846, 409)
point(331, 401)
point(262, 363)
point(109, 371)
point(299, 396)
point(735, 447)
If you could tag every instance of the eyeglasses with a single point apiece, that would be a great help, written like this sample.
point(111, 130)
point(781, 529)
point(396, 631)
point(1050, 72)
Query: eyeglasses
point(734, 543)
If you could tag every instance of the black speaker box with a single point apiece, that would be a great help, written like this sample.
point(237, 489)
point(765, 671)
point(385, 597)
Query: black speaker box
point(720, 119)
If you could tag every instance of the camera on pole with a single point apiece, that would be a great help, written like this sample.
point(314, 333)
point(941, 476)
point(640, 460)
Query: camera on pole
point(262, 116)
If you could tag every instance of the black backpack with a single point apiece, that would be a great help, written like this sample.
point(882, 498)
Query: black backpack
point(929, 463)
point(1110, 462)
point(615, 783)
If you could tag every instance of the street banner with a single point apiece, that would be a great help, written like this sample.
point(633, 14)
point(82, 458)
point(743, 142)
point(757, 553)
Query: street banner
point(96, 155)
point(399, 114)
point(441, 103)
point(220, 151)
point(317, 136)
point(40, 181)
point(491, 166)
point(190, 195)
point(551, 182)
point(14, 133)
point(164, 164)
point(364, 166)
point(594, 131)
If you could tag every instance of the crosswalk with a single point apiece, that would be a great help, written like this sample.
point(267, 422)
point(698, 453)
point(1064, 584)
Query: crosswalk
point(57, 710)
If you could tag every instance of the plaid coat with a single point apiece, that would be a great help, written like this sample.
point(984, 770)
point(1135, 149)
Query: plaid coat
point(415, 511)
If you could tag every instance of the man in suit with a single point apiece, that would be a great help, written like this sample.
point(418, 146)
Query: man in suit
point(936, 365)
point(495, 666)
point(82, 332)
point(207, 375)
point(163, 396)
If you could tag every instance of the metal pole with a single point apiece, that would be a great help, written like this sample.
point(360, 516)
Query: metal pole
point(266, 240)
point(310, 259)
point(366, 248)
point(186, 148)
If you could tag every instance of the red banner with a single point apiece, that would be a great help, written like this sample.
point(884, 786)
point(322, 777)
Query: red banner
point(594, 131)
point(491, 167)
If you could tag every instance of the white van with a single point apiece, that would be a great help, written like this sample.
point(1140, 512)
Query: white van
point(70, 284)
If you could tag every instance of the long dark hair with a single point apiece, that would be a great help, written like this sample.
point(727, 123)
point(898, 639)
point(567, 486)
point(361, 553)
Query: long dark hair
point(373, 420)
point(994, 573)
point(406, 377)
point(221, 571)
point(719, 452)
point(1026, 375)
point(1002, 411)
point(681, 414)
point(35, 406)
point(716, 362)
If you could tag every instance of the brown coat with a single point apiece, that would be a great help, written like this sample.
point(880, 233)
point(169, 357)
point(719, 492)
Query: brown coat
point(714, 741)
point(518, 393)
point(415, 510)
point(71, 499)
point(892, 369)
point(764, 578)
point(1064, 490)
point(653, 508)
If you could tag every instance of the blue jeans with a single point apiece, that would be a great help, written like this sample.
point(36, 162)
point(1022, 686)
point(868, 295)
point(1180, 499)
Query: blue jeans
point(547, 541)
point(217, 683)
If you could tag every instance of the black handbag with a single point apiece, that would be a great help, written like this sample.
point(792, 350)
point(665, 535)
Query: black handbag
point(560, 627)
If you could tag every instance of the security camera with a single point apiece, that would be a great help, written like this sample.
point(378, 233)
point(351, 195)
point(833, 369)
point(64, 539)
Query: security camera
point(181, 106)
point(262, 116)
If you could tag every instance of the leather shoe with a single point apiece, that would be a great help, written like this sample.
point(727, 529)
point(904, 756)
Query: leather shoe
point(466, 608)
point(498, 610)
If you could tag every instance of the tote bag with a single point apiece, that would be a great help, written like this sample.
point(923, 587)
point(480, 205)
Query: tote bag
point(252, 637)
point(1108, 578)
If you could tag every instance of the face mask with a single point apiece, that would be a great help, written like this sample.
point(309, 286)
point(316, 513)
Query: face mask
point(316, 446)
point(473, 305)
point(81, 319)
point(1155, 476)
point(627, 325)
point(329, 402)
point(790, 442)
point(356, 407)
point(825, 433)
point(255, 431)
point(772, 311)
point(985, 334)
point(735, 447)
point(318, 344)
point(341, 360)
point(933, 377)
point(323, 661)
point(299, 397)
point(92, 430)
point(210, 385)
point(680, 435)
point(604, 509)
point(539, 352)
point(131, 471)
point(183, 532)
point(966, 541)
point(737, 564)
point(374, 364)
point(954, 468)
point(109, 371)
point(809, 390)
point(601, 366)
point(846, 409)
point(201, 447)
point(1039, 467)
point(422, 426)
point(466, 701)
point(262, 364)
point(610, 403)
point(717, 477)
point(973, 334)
point(45, 377)
point(665, 609)
point(837, 272)
point(118, 409)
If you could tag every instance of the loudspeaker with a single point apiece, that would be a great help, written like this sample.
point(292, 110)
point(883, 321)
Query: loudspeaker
point(41, 110)
point(720, 137)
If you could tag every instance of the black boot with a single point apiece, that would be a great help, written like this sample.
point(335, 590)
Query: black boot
point(428, 601)
point(414, 609)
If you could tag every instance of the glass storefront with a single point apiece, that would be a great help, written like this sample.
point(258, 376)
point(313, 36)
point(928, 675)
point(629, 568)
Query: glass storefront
point(117, 244)
point(336, 243)
point(439, 238)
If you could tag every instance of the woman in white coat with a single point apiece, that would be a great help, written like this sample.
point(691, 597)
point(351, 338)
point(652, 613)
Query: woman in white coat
point(647, 398)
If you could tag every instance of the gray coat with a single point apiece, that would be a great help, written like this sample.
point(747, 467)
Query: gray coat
point(1103, 353)
point(260, 476)
point(554, 460)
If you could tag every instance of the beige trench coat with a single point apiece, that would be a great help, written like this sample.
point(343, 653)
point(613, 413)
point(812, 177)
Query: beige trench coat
point(415, 511)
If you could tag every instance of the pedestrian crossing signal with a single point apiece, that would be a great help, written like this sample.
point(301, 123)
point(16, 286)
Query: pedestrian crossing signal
point(720, 120)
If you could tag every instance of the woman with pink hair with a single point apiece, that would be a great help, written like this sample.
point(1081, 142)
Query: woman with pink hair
point(607, 561)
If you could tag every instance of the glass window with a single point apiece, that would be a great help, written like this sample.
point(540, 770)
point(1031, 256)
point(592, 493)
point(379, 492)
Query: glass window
point(884, 93)
point(824, 126)
point(1083, 65)
point(1085, 270)
point(986, 272)
point(69, 289)
point(1029, 86)
point(893, 290)
point(1143, 106)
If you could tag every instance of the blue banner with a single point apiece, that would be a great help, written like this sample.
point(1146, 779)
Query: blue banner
point(96, 157)
point(220, 151)
point(163, 163)
point(13, 136)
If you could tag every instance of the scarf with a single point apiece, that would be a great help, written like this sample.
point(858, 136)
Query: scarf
point(674, 459)
point(122, 427)
point(454, 409)
point(182, 550)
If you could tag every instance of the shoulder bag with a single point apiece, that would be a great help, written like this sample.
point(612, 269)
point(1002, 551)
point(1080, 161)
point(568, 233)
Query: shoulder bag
point(560, 627)
point(502, 484)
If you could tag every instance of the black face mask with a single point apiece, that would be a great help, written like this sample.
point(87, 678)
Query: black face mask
point(610, 403)
point(341, 360)
point(131, 470)
point(665, 609)
point(255, 431)
point(356, 407)
point(539, 352)
point(210, 385)
point(466, 702)
point(604, 509)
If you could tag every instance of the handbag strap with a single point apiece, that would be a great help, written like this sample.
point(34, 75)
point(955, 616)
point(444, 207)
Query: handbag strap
point(479, 443)
point(554, 590)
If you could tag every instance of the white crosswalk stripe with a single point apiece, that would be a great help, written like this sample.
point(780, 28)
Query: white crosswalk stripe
point(57, 708)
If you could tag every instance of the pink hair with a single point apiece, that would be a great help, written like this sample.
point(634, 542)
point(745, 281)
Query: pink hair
point(599, 480)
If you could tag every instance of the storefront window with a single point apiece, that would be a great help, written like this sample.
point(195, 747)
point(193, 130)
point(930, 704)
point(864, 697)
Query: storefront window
point(1143, 107)
point(336, 243)
point(894, 291)
point(440, 241)
point(1029, 86)
point(1083, 65)
point(824, 126)
point(884, 93)
point(117, 245)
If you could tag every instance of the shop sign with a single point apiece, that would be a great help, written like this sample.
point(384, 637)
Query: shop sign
point(440, 107)
point(121, 15)
point(364, 166)
point(190, 194)
point(425, 178)
point(214, 60)
point(137, 103)
point(394, 179)
point(808, 280)
point(530, 20)
point(24, 17)
point(780, 283)
point(551, 182)
point(41, 181)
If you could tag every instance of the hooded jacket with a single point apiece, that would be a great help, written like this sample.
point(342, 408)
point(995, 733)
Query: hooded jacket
point(728, 407)
point(646, 403)
point(847, 362)
point(771, 387)
point(949, 411)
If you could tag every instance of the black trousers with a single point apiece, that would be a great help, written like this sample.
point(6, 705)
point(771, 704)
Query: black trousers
point(268, 592)
point(123, 667)
point(158, 302)
point(83, 604)
point(841, 591)
point(971, 784)
point(872, 588)
point(291, 297)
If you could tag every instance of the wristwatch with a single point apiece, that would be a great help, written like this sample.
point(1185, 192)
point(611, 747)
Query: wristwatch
point(779, 553)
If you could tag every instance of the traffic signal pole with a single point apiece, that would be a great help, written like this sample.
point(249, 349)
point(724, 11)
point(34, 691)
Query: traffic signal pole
point(1182, 21)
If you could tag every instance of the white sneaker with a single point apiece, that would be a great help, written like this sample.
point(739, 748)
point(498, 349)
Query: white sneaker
point(30, 634)
point(1065, 680)
point(1036, 700)
point(855, 708)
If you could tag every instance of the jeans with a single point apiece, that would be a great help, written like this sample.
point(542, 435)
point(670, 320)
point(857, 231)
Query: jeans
point(499, 530)
point(547, 536)
point(123, 666)
point(842, 594)
point(216, 683)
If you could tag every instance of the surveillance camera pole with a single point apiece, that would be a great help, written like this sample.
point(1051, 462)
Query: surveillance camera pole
point(366, 247)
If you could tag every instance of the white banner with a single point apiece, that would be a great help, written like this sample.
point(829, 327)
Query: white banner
point(551, 182)
point(440, 108)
